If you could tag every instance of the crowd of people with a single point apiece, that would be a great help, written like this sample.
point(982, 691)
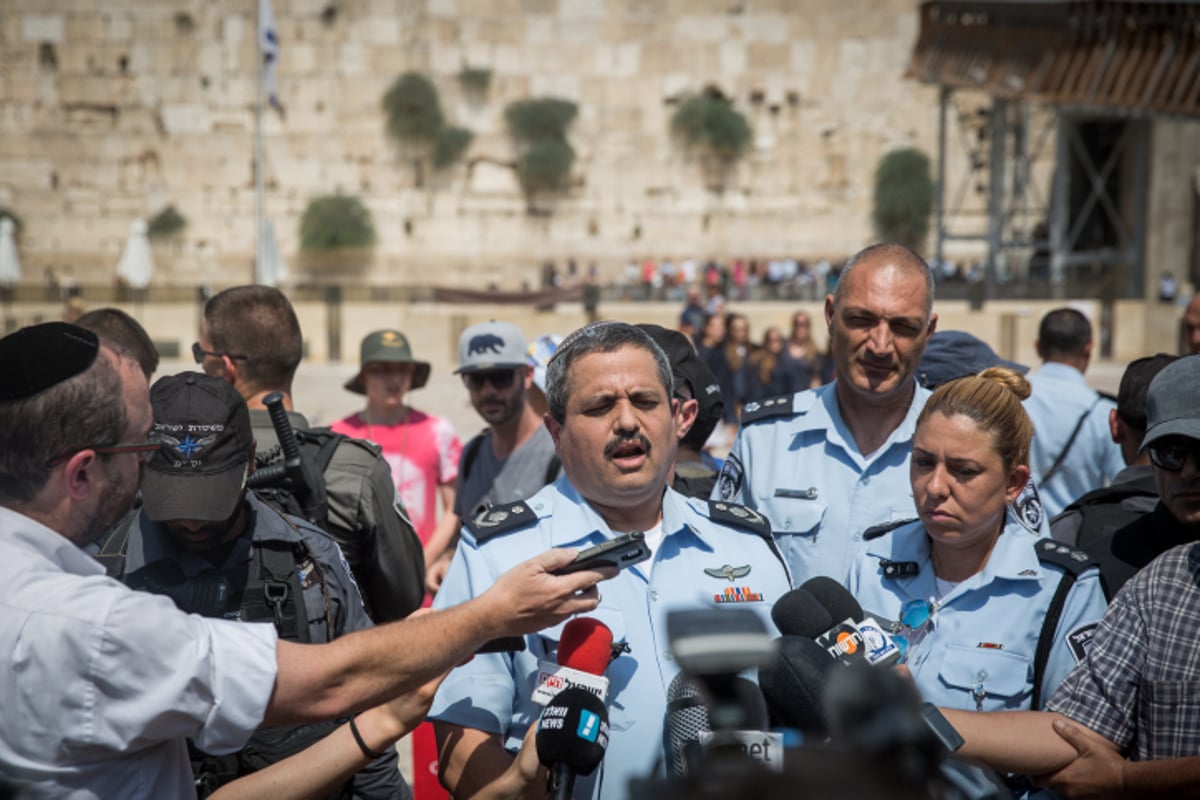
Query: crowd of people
point(203, 594)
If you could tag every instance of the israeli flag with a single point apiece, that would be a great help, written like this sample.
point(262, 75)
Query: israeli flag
point(268, 44)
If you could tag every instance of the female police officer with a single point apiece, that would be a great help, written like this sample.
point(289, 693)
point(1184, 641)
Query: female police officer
point(994, 618)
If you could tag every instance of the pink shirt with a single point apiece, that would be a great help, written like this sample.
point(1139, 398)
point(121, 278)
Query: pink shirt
point(423, 455)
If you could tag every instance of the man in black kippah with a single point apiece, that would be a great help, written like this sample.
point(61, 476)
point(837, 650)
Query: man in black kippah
point(101, 684)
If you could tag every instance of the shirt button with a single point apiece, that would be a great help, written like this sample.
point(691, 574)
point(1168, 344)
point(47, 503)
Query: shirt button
point(654, 595)
point(667, 655)
point(866, 481)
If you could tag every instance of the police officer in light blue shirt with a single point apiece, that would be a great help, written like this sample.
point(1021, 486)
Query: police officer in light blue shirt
point(1073, 450)
point(994, 617)
point(824, 465)
point(615, 425)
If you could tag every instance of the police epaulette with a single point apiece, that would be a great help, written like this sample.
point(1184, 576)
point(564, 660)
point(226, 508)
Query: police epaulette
point(739, 517)
point(1071, 559)
point(875, 531)
point(774, 407)
point(500, 519)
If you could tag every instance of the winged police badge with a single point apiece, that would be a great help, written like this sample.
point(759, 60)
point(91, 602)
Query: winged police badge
point(728, 572)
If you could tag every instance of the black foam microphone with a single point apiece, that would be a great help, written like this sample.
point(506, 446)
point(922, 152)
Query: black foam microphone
point(687, 719)
point(798, 613)
point(794, 685)
point(836, 599)
point(571, 738)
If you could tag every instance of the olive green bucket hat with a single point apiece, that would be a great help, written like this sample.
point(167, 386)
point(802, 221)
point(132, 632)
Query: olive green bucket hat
point(389, 346)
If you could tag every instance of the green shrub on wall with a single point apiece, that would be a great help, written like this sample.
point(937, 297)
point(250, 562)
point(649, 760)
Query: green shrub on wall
point(709, 122)
point(545, 157)
point(336, 222)
point(903, 200)
point(476, 80)
point(166, 223)
point(413, 110)
point(451, 144)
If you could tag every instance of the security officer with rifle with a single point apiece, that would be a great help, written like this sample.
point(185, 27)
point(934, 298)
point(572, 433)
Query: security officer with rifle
point(218, 550)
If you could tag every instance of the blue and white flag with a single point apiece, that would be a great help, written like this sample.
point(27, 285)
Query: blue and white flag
point(268, 45)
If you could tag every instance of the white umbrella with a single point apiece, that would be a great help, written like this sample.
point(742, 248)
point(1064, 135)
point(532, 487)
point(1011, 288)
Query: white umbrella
point(136, 265)
point(10, 265)
point(270, 269)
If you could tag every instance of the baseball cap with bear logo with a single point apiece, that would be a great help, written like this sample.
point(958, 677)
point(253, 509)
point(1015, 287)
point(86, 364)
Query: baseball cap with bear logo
point(491, 345)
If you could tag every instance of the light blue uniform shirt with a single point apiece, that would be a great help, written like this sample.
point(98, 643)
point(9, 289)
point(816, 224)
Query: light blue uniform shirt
point(804, 472)
point(492, 692)
point(985, 631)
point(1060, 397)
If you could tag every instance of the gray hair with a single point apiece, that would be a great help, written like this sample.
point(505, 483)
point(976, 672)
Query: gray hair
point(897, 254)
point(599, 337)
point(87, 410)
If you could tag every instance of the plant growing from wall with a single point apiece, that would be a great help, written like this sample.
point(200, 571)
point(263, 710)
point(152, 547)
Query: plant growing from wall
point(336, 222)
point(8, 212)
point(708, 124)
point(475, 80)
point(903, 199)
point(539, 128)
point(415, 122)
point(166, 223)
point(451, 143)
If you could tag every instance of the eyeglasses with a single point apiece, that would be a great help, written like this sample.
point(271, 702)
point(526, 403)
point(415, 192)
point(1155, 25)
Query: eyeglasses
point(1172, 455)
point(500, 379)
point(199, 353)
point(143, 449)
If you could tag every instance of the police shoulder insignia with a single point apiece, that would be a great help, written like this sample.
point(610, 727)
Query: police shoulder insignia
point(875, 531)
point(1070, 559)
point(774, 407)
point(1028, 507)
point(500, 519)
point(738, 517)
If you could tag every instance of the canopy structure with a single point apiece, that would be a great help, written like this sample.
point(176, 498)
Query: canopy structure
point(1100, 72)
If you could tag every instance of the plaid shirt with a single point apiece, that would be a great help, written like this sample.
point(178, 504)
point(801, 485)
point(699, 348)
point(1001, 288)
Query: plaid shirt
point(1139, 685)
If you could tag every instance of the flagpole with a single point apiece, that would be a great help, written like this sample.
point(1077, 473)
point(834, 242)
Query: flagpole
point(259, 171)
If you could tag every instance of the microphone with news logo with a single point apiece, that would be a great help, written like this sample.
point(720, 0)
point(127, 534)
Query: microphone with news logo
point(585, 649)
point(571, 738)
point(856, 638)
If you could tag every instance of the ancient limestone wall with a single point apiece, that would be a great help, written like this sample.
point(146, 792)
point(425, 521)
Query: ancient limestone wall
point(110, 109)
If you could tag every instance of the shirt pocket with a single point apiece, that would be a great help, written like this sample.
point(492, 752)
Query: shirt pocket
point(994, 679)
point(544, 646)
point(796, 517)
point(1171, 710)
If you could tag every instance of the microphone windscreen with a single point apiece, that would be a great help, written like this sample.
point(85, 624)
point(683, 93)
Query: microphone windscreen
point(687, 718)
point(793, 687)
point(573, 730)
point(585, 645)
point(798, 613)
point(835, 598)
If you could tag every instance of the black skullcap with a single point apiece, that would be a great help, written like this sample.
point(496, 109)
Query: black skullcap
point(36, 358)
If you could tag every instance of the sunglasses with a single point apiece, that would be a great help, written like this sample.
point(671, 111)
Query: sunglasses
point(1171, 456)
point(199, 353)
point(499, 379)
point(143, 449)
point(914, 619)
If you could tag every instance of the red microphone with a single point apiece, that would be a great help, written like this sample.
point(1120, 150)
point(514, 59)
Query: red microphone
point(585, 645)
point(585, 649)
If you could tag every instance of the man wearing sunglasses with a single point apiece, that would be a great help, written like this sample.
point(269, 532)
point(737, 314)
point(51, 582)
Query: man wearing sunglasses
point(1173, 445)
point(514, 456)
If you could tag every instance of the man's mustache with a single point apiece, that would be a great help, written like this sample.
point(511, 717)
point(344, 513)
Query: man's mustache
point(613, 444)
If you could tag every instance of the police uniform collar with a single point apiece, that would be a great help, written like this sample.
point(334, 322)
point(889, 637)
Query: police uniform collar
point(1061, 372)
point(839, 433)
point(576, 521)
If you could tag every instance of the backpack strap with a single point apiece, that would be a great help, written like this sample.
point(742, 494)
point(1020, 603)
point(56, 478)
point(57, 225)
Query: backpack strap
point(1050, 473)
point(273, 592)
point(1073, 563)
point(469, 453)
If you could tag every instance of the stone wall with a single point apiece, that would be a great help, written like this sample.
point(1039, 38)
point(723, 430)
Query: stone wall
point(111, 109)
